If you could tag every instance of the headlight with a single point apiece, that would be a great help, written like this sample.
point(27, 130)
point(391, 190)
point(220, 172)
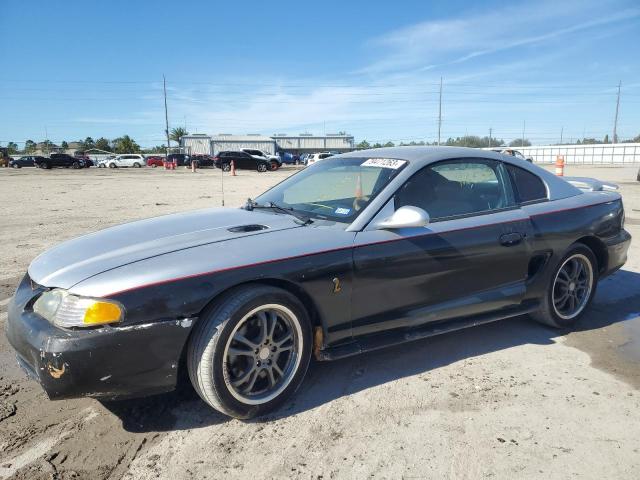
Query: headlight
point(66, 310)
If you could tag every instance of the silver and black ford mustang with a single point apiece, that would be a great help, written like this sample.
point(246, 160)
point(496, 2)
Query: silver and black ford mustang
point(357, 252)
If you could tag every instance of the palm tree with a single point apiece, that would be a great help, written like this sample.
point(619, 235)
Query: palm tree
point(177, 133)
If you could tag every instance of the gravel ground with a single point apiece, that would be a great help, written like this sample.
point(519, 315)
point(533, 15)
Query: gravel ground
point(505, 400)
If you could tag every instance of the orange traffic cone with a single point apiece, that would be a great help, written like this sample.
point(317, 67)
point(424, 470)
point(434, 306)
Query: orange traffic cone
point(358, 193)
point(233, 168)
point(560, 166)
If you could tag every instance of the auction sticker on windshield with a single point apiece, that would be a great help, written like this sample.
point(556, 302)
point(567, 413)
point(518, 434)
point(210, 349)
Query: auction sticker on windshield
point(384, 163)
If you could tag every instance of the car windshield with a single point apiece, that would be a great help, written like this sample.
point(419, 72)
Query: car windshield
point(336, 189)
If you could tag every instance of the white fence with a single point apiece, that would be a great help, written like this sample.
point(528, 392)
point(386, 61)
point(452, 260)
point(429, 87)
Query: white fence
point(602, 154)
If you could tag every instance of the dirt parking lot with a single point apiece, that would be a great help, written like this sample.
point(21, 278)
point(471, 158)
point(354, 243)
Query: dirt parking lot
point(506, 400)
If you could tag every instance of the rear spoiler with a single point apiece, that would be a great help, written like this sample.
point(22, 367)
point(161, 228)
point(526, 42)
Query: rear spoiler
point(591, 184)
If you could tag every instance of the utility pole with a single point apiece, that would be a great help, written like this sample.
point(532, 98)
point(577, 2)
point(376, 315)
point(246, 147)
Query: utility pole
point(524, 124)
point(46, 139)
point(440, 112)
point(561, 134)
point(166, 113)
point(615, 122)
point(490, 132)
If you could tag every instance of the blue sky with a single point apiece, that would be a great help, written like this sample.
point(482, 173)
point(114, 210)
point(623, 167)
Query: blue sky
point(81, 68)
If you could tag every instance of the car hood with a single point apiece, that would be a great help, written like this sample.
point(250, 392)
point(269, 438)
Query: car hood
point(76, 260)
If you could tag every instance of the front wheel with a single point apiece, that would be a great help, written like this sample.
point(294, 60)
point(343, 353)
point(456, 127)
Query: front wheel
point(136, 165)
point(112, 165)
point(226, 167)
point(250, 352)
point(262, 167)
point(274, 165)
point(15, 165)
point(571, 288)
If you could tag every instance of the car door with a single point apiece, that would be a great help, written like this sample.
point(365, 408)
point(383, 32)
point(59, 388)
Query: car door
point(471, 258)
point(245, 161)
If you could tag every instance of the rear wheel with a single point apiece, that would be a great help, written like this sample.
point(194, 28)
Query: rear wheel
point(136, 165)
point(250, 352)
point(15, 165)
point(112, 165)
point(571, 289)
point(262, 167)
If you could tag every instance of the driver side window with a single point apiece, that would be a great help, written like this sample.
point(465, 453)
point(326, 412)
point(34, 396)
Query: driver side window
point(456, 188)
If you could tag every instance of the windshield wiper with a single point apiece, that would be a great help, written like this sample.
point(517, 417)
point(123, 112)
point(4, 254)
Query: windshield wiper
point(250, 205)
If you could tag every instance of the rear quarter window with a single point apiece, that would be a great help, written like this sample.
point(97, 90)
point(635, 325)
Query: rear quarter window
point(527, 186)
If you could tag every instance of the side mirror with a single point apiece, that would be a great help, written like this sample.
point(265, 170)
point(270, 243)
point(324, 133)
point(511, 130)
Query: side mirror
point(405, 217)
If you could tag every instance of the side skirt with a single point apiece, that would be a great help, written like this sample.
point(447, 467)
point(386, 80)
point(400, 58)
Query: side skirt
point(396, 337)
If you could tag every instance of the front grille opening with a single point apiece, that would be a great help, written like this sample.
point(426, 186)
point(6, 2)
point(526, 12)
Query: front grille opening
point(247, 228)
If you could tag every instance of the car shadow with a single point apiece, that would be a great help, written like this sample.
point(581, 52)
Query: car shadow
point(616, 300)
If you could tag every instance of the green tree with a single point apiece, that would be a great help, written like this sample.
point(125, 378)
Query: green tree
point(29, 146)
point(389, 144)
point(125, 144)
point(156, 149)
point(47, 146)
point(363, 145)
point(12, 148)
point(64, 145)
point(520, 143)
point(102, 144)
point(606, 139)
point(87, 143)
point(177, 133)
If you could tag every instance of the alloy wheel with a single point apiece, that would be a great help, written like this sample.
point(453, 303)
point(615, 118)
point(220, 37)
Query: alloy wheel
point(572, 286)
point(262, 354)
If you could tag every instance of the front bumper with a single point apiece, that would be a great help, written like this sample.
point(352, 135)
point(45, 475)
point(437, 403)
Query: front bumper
point(106, 362)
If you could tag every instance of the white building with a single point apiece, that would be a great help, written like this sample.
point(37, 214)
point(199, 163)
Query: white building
point(280, 143)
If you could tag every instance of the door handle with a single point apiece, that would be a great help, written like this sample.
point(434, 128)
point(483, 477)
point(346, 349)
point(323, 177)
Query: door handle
point(510, 239)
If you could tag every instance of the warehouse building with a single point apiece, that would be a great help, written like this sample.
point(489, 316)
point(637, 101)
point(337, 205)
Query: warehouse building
point(307, 143)
point(279, 143)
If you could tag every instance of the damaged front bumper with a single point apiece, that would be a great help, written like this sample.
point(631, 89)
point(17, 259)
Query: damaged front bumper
point(107, 362)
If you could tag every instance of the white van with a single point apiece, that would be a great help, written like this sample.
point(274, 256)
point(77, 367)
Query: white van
point(128, 160)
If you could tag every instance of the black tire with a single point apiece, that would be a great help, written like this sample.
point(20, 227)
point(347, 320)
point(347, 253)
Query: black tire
point(47, 166)
point(112, 165)
point(76, 165)
point(209, 365)
point(226, 167)
point(15, 165)
point(549, 313)
point(136, 165)
point(274, 165)
point(262, 167)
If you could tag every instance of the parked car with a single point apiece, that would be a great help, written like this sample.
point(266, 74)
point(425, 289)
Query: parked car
point(513, 153)
point(203, 160)
point(59, 160)
point(361, 251)
point(274, 161)
point(315, 157)
point(128, 160)
point(86, 160)
point(24, 161)
point(155, 161)
point(242, 161)
point(180, 159)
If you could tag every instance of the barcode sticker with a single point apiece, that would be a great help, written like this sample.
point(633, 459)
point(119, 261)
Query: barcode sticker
point(384, 163)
